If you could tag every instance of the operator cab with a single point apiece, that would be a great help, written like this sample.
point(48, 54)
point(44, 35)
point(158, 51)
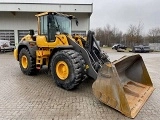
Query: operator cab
point(53, 23)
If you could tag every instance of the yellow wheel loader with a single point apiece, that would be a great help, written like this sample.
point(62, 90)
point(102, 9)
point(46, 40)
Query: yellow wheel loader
point(124, 84)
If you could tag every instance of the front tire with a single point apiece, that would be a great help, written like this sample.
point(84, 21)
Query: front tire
point(27, 62)
point(67, 69)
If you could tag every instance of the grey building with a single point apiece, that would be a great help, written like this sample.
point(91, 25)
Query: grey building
point(17, 18)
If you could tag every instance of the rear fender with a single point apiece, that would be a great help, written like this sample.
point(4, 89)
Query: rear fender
point(30, 45)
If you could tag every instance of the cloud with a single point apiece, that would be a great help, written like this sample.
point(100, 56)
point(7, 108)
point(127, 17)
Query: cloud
point(125, 12)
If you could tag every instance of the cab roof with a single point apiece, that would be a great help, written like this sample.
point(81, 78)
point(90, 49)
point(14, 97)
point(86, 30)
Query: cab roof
point(54, 13)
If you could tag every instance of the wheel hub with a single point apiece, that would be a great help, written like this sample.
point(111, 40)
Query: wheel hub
point(24, 61)
point(62, 70)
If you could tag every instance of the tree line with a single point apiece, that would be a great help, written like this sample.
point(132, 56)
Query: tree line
point(109, 36)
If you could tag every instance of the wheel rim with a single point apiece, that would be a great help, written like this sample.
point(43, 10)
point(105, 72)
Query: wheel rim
point(62, 70)
point(24, 61)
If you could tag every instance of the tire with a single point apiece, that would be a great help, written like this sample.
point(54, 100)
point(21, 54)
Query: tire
point(30, 67)
point(73, 62)
point(83, 68)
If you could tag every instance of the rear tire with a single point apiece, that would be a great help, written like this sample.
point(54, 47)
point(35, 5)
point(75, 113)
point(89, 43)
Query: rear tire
point(27, 62)
point(73, 66)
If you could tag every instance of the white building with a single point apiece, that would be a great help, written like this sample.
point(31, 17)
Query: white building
point(17, 18)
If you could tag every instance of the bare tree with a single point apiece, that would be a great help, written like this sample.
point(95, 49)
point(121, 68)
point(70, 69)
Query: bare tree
point(134, 35)
point(117, 35)
point(108, 35)
point(99, 33)
point(154, 35)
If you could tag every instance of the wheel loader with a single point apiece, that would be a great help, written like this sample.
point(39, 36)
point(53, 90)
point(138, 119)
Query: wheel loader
point(124, 84)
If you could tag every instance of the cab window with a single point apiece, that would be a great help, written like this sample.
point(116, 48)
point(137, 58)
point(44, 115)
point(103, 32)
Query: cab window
point(43, 25)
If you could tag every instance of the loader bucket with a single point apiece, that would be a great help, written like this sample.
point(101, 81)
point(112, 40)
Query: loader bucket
point(124, 85)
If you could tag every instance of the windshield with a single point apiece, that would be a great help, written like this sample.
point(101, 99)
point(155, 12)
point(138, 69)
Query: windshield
point(63, 24)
